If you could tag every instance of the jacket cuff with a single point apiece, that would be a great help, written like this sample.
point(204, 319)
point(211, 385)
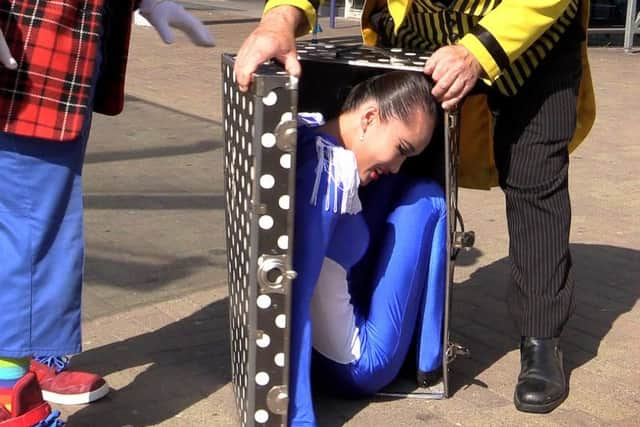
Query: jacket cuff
point(491, 65)
point(304, 5)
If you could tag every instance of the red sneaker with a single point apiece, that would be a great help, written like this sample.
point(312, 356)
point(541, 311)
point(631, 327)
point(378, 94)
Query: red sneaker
point(67, 387)
point(27, 406)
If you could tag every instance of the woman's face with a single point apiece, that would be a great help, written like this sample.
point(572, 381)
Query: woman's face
point(382, 146)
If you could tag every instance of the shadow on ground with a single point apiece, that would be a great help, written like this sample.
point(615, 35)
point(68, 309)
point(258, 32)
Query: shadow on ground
point(607, 279)
point(181, 364)
point(606, 287)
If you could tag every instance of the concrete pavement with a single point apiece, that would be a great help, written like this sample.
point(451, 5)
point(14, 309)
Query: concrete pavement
point(155, 306)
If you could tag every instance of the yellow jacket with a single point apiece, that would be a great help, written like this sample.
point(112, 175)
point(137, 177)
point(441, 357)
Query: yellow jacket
point(508, 29)
point(515, 25)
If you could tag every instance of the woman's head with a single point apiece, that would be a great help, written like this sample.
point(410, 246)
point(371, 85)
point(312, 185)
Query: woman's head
point(386, 119)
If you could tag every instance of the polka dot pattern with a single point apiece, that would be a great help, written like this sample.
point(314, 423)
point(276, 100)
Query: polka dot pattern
point(259, 178)
point(239, 166)
point(362, 56)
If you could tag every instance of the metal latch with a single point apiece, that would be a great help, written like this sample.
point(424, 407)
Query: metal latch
point(454, 350)
point(286, 135)
point(278, 399)
point(464, 239)
point(273, 274)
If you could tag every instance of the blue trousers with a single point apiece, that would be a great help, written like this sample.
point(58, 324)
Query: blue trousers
point(42, 242)
point(41, 246)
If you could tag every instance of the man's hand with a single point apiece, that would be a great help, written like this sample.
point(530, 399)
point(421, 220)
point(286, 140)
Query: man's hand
point(274, 38)
point(163, 14)
point(455, 72)
point(6, 59)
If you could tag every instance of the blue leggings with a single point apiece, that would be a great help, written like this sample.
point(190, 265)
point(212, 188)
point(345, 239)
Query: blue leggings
point(398, 289)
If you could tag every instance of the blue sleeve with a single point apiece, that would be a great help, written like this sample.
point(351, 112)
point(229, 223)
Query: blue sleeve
point(314, 226)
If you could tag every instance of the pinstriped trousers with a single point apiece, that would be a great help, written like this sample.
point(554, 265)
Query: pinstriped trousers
point(532, 131)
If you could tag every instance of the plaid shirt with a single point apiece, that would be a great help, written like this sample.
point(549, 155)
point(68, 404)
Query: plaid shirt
point(55, 44)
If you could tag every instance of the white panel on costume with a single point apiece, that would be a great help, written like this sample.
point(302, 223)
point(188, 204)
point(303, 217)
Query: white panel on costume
point(335, 334)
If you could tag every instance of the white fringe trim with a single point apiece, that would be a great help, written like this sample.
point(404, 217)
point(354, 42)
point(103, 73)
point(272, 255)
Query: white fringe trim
point(341, 167)
point(342, 173)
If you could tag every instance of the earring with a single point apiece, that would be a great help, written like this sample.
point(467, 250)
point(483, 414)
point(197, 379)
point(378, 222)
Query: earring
point(362, 137)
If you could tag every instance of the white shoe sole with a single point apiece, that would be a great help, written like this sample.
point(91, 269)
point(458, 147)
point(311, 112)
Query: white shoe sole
point(76, 399)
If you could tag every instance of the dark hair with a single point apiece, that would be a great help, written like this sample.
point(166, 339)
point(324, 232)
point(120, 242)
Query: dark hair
point(397, 93)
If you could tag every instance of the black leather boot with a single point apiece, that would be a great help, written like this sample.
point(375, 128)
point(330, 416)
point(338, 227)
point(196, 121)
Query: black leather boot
point(542, 385)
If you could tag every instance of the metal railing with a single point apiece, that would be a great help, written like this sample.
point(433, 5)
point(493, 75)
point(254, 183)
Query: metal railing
point(630, 29)
point(632, 25)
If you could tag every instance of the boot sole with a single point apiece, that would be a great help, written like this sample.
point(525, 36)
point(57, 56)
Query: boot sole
point(539, 409)
point(76, 399)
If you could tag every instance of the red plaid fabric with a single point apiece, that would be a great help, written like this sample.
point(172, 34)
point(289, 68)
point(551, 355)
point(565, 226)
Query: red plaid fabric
point(55, 44)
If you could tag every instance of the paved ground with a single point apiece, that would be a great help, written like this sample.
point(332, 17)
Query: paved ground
point(155, 305)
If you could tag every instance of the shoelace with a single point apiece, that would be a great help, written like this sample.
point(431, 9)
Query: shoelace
point(59, 363)
point(52, 420)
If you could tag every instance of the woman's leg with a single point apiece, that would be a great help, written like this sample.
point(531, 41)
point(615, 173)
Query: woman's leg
point(403, 268)
point(429, 335)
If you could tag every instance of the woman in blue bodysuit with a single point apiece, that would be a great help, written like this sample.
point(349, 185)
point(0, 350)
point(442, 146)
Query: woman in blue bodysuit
point(357, 324)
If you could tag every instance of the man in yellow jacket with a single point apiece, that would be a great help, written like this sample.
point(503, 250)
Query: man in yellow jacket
point(528, 58)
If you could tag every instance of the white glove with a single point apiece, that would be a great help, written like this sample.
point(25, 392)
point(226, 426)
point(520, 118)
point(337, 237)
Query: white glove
point(6, 58)
point(163, 14)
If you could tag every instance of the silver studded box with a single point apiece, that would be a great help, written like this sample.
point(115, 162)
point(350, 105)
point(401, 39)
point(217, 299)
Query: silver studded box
point(259, 168)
